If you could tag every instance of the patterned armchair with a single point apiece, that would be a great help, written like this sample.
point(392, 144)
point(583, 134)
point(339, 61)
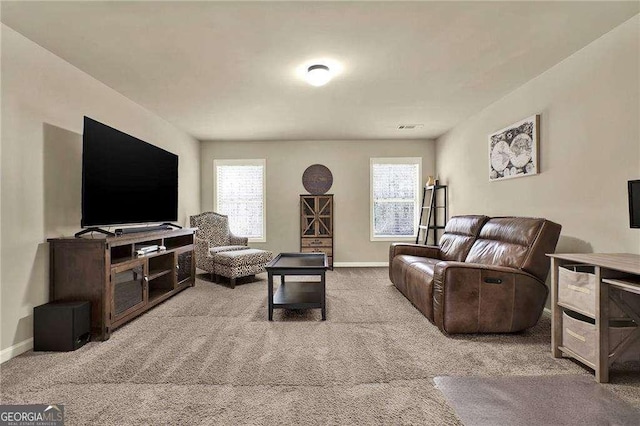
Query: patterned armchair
point(213, 236)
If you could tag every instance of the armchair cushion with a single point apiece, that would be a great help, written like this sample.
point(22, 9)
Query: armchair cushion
point(218, 249)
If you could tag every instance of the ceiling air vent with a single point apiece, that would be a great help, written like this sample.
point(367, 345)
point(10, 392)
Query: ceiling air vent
point(410, 126)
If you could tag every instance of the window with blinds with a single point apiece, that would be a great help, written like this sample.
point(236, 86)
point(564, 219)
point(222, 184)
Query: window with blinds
point(240, 194)
point(395, 200)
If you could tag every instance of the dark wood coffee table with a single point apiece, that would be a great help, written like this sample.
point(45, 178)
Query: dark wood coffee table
point(295, 294)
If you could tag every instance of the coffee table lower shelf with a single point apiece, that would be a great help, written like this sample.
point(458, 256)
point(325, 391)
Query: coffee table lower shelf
point(298, 295)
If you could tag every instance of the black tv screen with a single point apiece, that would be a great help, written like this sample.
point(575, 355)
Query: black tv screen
point(634, 203)
point(125, 180)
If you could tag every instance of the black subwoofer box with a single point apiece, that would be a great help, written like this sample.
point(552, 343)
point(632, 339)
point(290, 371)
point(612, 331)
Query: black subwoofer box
point(61, 326)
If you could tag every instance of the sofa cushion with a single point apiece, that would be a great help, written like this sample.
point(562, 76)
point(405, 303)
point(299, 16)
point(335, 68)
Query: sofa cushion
point(424, 264)
point(398, 269)
point(419, 286)
point(413, 276)
point(505, 241)
point(459, 235)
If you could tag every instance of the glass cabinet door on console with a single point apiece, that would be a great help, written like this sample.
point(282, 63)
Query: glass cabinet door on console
point(184, 265)
point(129, 288)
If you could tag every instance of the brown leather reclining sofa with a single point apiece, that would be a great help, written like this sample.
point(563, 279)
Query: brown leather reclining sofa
point(486, 276)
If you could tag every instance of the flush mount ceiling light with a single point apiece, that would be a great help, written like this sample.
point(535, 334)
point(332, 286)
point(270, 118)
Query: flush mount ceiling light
point(319, 70)
point(318, 75)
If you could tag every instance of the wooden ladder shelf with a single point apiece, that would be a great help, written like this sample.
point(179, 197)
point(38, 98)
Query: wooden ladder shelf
point(430, 212)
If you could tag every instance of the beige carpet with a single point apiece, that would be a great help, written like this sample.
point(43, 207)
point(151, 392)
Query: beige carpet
point(209, 356)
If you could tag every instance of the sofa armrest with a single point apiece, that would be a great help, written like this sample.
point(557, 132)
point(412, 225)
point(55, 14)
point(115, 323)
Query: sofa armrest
point(479, 298)
point(396, 249)
point(238, 241)
point(421, 250)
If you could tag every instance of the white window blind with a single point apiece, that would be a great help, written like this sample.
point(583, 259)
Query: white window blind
point(395, 184)
point(240, 194)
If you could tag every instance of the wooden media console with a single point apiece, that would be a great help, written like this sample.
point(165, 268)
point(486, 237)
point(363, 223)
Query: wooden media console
point(119, 283)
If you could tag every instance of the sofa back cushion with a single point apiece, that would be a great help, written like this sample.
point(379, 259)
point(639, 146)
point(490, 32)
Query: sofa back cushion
point(516, 242)
point(459, 235)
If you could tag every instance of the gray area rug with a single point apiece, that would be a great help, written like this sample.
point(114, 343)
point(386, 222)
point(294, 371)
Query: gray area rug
point(535, 400)
point(209, 356)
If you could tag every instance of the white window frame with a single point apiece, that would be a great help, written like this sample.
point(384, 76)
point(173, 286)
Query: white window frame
point(244, 162)
point(416, 201)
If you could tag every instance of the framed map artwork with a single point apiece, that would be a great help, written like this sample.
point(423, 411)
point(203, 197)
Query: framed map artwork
point(513, 151)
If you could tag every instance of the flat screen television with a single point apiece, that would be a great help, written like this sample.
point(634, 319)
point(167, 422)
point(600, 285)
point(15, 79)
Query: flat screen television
point(634, 203)
point(125, 180)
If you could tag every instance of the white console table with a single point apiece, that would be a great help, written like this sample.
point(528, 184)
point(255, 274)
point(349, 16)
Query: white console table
point(607, 269)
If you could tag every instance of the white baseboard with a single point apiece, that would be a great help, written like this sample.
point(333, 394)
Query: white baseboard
point(15, 350)
point(360, 264)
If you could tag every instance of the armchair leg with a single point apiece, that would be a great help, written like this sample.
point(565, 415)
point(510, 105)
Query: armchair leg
point(232, 282)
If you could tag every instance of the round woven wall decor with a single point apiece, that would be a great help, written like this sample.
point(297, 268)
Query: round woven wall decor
point(317, 179)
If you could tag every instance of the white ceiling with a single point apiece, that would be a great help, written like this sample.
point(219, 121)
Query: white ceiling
point(227, 70)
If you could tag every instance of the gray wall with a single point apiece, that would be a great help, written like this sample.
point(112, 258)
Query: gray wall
point(44, 100)
point(589, 147)
point(286, 162)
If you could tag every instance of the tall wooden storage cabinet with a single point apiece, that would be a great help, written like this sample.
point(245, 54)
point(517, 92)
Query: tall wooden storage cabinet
point(316, 225)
